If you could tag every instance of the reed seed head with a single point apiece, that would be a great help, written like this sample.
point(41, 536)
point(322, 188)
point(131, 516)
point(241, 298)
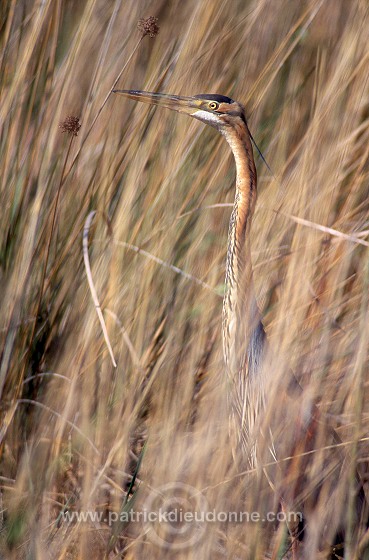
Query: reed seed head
point(148, 26)
point(71, 125)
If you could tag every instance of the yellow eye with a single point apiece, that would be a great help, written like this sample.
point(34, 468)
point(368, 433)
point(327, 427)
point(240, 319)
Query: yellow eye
point(213, 105)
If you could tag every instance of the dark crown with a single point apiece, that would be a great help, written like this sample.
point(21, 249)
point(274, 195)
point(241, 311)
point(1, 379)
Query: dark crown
point(215, 97)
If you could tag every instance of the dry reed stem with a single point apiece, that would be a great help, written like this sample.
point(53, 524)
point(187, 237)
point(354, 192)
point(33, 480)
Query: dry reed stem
point(95, 298)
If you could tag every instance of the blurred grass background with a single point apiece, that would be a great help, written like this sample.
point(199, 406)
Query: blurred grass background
point(72, 425)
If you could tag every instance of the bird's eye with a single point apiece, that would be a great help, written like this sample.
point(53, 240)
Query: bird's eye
point(213, 105)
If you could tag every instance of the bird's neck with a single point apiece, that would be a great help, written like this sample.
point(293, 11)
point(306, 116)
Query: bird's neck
point(241, 320)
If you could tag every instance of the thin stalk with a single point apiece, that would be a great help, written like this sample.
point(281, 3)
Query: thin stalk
point(102, 107)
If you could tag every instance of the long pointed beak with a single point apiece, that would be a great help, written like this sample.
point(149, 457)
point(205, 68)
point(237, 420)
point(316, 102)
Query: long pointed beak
point(187, 105)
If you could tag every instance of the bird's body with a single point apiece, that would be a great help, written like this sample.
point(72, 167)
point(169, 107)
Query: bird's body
point(243, 332)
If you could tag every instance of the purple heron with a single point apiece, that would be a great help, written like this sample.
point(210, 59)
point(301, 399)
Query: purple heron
point(244, 339)
point(243, 332)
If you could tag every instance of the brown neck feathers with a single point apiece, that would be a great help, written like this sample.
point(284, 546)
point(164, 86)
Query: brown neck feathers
point(241, 321)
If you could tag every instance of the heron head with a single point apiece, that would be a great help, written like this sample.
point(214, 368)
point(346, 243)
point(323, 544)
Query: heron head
point(218, 111)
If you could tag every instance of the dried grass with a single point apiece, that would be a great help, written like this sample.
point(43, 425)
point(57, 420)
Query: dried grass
point(73, 427)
